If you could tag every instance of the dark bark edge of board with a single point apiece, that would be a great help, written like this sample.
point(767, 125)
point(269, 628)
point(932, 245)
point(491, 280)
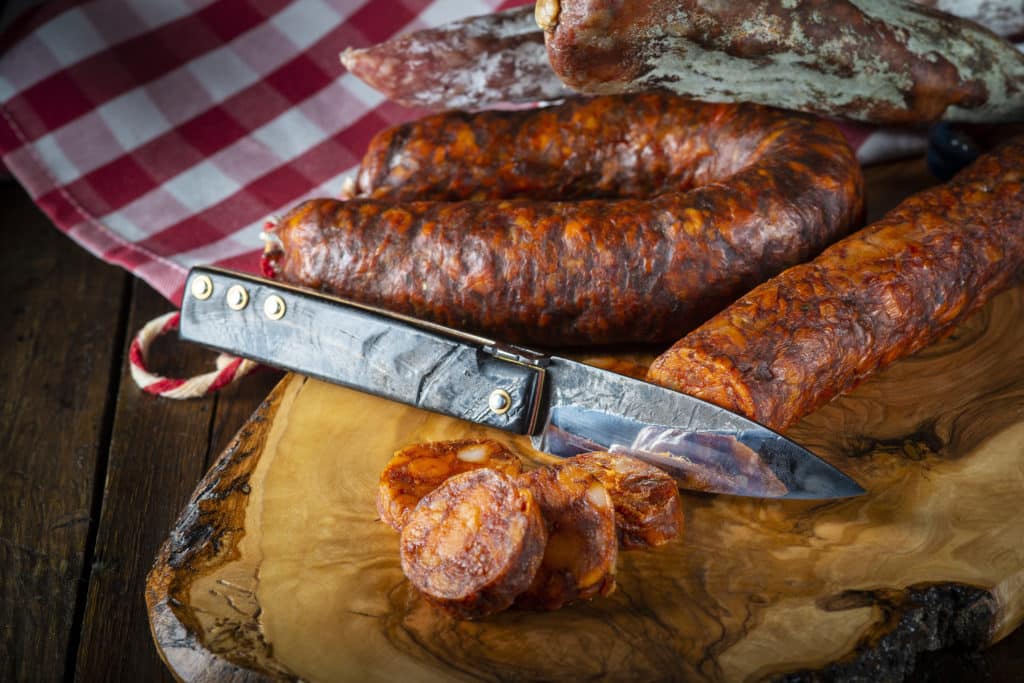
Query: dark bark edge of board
point(205, 536)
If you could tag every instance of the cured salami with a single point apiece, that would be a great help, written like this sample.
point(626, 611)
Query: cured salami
point(474, 543)
point(467, 63)
point(579, 558)
point(416, 470)
point(873, 60)
point(500, 58)
point(816, 330)
point(741, 192)
point(636, 147)
point(648, 511)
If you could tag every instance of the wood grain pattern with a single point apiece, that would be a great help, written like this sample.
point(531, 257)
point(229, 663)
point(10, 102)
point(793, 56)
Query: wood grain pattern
point(53, 292)
point(158, 451)
point(930, 558)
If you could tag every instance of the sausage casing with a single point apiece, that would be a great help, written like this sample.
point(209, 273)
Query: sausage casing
point(769, 189)
point(500, 58)
point(474, 543)
point(796, 341)
point(579, 558)
point(632, 146)
point(471, 62)
point(648, 511)
point(874, 60)
point(416, 470)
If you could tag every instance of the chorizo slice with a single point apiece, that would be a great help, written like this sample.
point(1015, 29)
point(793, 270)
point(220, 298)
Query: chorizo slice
point(766, 189)
point(416, 470)
point(872, 60)
point(648, 510)
point(815, 331)
point(579, 558)
point(474, 543)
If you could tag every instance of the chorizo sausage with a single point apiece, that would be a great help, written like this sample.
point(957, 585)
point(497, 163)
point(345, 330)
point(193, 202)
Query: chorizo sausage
point(579, 558)
point(770, 189)
point(474, 543)
point(648, 511)
point(796, 341)
point(416, 470)
point(1002, 17)
point(638, 147)
point(873, 60)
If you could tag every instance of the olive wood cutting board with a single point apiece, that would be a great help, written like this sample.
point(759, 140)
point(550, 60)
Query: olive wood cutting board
point(279, 569)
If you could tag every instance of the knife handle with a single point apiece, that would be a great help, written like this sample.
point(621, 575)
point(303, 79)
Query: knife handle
point(367, 349)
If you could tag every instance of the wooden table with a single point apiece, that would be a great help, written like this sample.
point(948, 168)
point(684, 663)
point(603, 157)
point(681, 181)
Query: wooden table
point(93, 472)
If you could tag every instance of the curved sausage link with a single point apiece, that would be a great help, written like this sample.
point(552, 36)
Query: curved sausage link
point(474, 543)
point(416, 470)
point(873, 60)
point(579, 558)
point(630, 146)
point(815, 331)
point(771, 189)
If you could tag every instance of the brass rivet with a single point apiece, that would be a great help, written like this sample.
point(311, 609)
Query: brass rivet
point(499, 402)
point(202, 287)
point(237, 297)
point(274, 307)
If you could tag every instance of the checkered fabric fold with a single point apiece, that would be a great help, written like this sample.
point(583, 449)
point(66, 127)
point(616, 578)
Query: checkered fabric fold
point(160, 134)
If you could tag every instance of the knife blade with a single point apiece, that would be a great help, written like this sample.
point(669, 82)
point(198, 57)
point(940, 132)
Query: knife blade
point(565, 406)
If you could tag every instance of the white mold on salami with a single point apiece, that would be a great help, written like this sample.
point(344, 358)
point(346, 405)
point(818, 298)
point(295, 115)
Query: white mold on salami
point(1002, 17)
point(883, 61)
point(977, 54)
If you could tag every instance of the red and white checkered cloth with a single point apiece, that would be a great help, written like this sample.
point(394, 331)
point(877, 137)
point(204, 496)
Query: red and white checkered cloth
point(160, 134)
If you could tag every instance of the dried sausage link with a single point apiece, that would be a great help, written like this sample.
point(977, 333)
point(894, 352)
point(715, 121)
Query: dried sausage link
point(579, 558)
point(416, 470)
point(770, 189)
point(634, 146)
point(873, 60)
point(815, 331)
point(500, 58)
point(471, 62)
point(474, 543)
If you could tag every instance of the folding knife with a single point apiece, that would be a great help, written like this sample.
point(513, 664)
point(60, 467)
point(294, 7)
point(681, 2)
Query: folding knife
point(565, 406)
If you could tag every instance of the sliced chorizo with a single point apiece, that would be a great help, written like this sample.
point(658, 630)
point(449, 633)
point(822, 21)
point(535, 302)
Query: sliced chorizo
point(416, 470)
point(579, 558)
point(756, 190)
point(815, 331)
point(648, 510)
point(474, 543)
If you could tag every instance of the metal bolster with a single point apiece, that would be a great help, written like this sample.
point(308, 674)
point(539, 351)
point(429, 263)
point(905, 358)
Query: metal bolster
point(517, 354)
point(537, 362)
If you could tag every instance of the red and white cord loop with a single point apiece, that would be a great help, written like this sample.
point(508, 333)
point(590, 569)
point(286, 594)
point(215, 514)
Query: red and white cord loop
point(229, 368)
